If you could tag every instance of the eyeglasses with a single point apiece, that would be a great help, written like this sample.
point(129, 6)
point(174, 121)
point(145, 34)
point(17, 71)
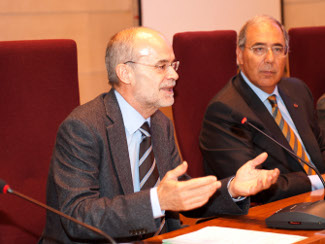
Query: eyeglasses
point(160, 67)
point(261, 50)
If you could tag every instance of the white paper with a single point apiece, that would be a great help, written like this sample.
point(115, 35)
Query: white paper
point(223, 235)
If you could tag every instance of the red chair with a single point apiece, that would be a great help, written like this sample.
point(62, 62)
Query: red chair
point(207, 62)
point(39, 88)
point(306, 57)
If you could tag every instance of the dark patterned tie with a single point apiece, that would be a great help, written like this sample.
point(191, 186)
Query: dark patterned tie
point(148, 171)
point(288, 133)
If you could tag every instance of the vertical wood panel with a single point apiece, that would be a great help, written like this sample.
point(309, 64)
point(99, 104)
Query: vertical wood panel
point(89, 23)
point(300, 13)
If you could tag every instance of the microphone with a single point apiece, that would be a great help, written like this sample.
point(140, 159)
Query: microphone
point(301, 216)
point(245, 121)
point(4, 188)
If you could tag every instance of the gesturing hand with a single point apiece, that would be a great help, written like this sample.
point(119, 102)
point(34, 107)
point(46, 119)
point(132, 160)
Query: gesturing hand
point(249, 180)
point(185, 195)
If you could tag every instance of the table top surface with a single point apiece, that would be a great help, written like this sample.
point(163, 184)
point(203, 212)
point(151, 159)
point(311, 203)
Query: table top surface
point(255, 220)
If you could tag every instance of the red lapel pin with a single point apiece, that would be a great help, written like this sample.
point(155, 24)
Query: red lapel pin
point(295, 105)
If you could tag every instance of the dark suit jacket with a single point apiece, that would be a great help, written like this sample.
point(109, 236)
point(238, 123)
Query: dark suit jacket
point(321, 112)
point(226, 144)
point(90, 177)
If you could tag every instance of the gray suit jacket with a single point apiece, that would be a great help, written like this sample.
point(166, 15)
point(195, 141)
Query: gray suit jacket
point(90, 177)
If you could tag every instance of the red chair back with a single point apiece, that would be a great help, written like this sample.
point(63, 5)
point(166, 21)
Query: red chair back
point(39, 88)
point(207, 62)
point(306, 55)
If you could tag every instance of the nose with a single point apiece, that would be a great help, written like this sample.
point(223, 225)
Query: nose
point(172, 73)
point(269, 56)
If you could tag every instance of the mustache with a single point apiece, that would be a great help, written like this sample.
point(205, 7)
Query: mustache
point(268, 68)
point(169, 85)
point(271, 71)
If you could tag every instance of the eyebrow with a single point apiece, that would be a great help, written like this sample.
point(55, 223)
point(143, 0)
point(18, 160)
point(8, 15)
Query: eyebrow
point(264, 44)
point(163, 61)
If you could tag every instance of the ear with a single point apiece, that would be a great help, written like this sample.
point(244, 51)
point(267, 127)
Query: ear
point(124, 73)
point(239, 53)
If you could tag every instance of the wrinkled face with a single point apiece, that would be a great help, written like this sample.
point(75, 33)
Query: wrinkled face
point(263, 70)
point(153, 77)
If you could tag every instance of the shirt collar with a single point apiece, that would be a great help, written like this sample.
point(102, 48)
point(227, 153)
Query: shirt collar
point(132, 119)
point(262, 95)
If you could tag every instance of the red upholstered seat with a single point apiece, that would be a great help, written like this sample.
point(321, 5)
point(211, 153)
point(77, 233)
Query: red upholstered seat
point(207, 62)
point(38, 89)
point(306, 57)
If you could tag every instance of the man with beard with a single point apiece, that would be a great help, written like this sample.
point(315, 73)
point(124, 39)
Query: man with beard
point(115, 164)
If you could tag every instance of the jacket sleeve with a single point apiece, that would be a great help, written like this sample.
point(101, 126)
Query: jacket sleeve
point(226, 145)
point(77, 165)
point(321, 112)
point(220, 203)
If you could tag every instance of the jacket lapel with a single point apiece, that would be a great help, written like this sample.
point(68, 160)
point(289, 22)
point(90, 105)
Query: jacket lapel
point(295, 108)
point(159, 145)
point(259, 116)
point(295, 112)
point(258, 113)
point(117, 143)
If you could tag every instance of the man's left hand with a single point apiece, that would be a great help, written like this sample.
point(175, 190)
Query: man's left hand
point(249, 180)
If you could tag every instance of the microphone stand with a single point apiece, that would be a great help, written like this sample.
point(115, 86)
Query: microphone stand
point(7, 189)
point(302, 216)
point(245, 121)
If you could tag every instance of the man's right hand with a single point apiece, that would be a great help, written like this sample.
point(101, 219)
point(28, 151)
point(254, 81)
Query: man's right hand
point(185, 195)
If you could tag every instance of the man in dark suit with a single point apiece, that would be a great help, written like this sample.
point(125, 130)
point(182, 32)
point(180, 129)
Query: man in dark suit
point(226, 143)
point(99, 171)
point(321, 112)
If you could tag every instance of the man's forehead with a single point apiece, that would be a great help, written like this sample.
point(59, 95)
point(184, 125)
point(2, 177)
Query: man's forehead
point(144, 52)
point(158, 50)
point(157, 57)
point(264, 32)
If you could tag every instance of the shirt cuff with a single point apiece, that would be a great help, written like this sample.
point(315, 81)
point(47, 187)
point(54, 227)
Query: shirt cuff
point(316, 183)
point(237, 199)
point(156, 210)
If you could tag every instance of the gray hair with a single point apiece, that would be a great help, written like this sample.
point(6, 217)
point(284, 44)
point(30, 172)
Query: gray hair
point(120, 49)
point(241, 40)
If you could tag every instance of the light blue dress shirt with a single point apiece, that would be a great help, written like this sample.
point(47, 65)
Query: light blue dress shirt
point(263, 96)
point(132, 121)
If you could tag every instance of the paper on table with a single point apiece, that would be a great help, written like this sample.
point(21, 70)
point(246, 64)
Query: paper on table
point(223, 235)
